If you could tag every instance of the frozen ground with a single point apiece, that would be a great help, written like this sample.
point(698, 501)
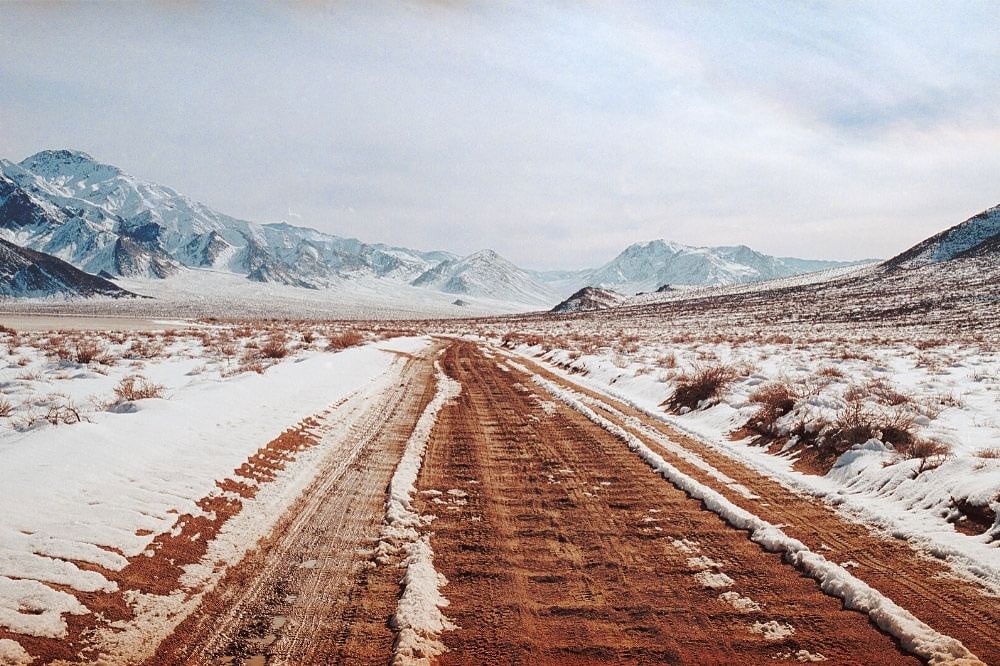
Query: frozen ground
point(106, 473)
point(207, 293)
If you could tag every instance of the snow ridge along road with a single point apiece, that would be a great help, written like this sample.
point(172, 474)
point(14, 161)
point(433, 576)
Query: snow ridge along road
point(294, 600)
point(927, 590)
point(418, 620)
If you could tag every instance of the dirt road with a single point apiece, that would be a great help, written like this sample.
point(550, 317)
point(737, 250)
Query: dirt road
point(294, 599)
point(559, 545)
point(566, 548)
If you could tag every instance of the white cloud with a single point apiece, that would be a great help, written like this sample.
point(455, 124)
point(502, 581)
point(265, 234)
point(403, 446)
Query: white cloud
point(554, 133)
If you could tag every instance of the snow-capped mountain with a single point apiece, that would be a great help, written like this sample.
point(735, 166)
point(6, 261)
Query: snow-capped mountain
point(486, 273)
point(109, 223)
point(652, 264)
point(26, 273)
point(980, 234)
point(104, 220)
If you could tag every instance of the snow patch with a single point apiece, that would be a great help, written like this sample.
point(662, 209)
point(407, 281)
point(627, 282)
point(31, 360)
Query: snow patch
point(418, 620)
point(773, 630)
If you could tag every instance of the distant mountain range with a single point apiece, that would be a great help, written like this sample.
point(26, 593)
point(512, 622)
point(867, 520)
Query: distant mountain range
point(962, 255)
point(112, 225)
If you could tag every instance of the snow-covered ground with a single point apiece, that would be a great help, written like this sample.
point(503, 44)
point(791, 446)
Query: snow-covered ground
point(92, 478)
point(948, 393)
point(205, 292)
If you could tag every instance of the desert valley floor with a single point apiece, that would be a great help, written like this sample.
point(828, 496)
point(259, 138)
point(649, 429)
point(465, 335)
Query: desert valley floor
point(414, 495)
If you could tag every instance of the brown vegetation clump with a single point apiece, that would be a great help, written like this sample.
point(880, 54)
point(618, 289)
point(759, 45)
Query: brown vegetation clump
point(137, 387)
point(880, 391)
point(344, 339)
point(64, 413)
point(775, 399)
point(275, 346)
point(700, 384)
point(930, 452)
point(830, 371)
point(858, 423)
point(6, 408)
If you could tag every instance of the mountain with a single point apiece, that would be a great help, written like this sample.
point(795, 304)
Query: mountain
point(652, 264)
point(949, 283)
point(487, 274)
point(107, 222)
point(27, 273)
point(101, 219)
point(590, 298)
point(979, 235)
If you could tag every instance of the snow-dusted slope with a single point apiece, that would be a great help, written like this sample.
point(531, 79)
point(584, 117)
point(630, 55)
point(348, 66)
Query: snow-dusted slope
point(649, 265)
point(486, 273)
point(979, 234)
point(27, 273)
point(590, 298)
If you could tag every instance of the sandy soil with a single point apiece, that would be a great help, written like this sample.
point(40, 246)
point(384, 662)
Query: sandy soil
point(923, 585)
point(554, 555)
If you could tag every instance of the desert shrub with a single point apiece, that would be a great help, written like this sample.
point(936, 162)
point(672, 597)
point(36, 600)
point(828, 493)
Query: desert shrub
point(627, 344)
point(989, 454)
point(308, 336)
point(7, 329)
point(830, 371)
point(930, 452)
point(344, 339)
point(85, 351)
point(700, 384)
point(775, 399)
point(858, 423)
point(251, 365)
point(137, 387)
point(881, 391)
point(6, 407)
point(275, 346)
point(63, 414)
point(667, 360)
point(144, 348)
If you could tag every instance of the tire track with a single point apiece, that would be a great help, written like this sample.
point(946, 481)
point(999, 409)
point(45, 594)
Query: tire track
point(924, 586)
point(290, 601)
point(561, 546)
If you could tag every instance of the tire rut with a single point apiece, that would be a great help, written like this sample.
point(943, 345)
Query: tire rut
point(923, 585)
point(561, 546)
point(290, 601)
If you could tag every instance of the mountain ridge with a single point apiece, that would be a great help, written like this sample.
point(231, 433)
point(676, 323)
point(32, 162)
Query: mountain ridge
point(105, 221)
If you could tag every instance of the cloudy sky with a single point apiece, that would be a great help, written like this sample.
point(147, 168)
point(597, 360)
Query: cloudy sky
point(555, 133)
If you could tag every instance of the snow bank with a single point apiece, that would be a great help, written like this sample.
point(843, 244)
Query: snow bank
point(418, 620)
point(12, 654)
point(914, 636)
point(29, 607)
point(118, 482)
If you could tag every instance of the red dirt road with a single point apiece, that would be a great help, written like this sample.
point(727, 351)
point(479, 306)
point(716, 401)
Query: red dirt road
point(559, 546)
